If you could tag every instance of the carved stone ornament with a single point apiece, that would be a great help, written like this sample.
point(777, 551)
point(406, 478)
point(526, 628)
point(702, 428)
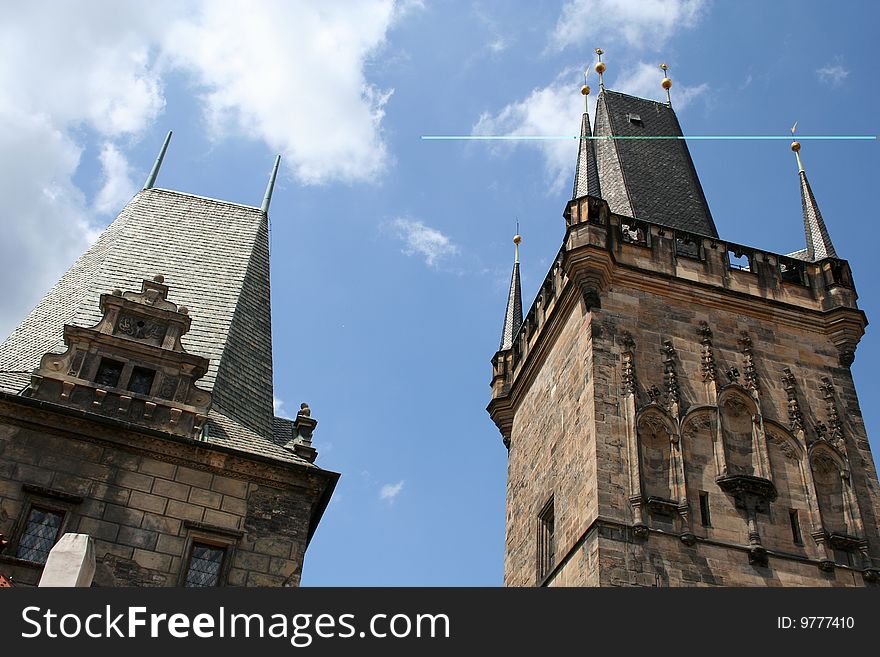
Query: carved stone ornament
point(131, 365)
point(751, 374)
point(628, 372)
point(671, 377)
point(795, 416)
point(748, 491)
point(707, 358)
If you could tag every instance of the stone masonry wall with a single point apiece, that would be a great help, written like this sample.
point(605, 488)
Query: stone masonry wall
point(569, 442)
point(143, 503)
point(552, 453)
point(652, 318)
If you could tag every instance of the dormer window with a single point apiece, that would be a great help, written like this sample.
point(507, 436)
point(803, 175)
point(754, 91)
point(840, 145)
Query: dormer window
point(635, 119)
point(109, 372)
point(134, 352)
point(141, 381)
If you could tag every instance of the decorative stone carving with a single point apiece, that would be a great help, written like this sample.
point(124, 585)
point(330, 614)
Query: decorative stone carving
point(795, 416)
point(628, 372)
point(671, 378)
point(303, 426)
point(140, 328)
point(750, 373)
point(117, 366)
point(708, 366)
point(835, 426)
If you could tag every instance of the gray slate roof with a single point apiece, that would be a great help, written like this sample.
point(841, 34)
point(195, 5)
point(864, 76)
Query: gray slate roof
point(819, 244)
point(214, 256)
point(513, 315)
point(649, 179)
point(586, 174)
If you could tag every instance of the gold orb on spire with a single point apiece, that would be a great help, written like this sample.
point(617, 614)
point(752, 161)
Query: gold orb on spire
point(600, 65)
point(795, 145)
point(517, 239)
point(666, 83)
point(585, 90)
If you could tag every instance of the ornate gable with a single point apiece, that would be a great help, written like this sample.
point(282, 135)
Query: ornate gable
point(131, 365)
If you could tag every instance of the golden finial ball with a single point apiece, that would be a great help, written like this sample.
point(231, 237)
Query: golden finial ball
point(600, 67)
point(666, 84)
point(517, 239)
point(795, 146)
point(585, 90)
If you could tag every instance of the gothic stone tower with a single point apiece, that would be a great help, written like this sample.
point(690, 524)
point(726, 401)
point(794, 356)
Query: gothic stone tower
point(679, 409)
point(137, 408)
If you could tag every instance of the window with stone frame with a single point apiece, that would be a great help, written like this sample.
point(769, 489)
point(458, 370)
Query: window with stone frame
point(45, 515)
point(205, 565)
point(109, 372)
point(208, 554)
point(546, 541)
point(41, 531)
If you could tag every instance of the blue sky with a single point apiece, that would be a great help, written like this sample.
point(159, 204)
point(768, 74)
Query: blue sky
point(391, 255)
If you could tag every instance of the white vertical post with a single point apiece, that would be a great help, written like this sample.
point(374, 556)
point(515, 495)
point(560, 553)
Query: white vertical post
point(71, 562)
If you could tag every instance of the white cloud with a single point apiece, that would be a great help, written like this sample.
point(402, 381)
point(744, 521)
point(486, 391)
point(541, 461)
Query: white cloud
point(646, 22)
point(278, 407)
point(118, 186)
point(45, 220)
point(419, 239)
point(290, 74)
point(389, 492)
point(555, 110)
point(643, 80)
point(834, 74)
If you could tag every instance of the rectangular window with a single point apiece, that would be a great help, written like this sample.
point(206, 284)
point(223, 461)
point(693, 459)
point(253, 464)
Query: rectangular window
point(705, 519)
point(40, 534)
point(141, 380)
point(795, 526)
point(546, 541)
point(205, 563)
point(109, 372)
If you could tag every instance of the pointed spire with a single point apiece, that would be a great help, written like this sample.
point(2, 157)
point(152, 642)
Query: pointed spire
point(151, 179)
point(819, 244)
point(666, 83)
point(586, 174)
point(267, 198)
point(513, 316)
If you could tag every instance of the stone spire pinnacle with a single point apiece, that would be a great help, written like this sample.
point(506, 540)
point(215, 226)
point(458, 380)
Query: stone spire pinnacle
point(586, 174)
point(513, 316)
point(819, 244)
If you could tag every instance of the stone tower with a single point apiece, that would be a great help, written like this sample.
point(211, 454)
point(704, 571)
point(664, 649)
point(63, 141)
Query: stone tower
point(136, 406)
point(678, 409)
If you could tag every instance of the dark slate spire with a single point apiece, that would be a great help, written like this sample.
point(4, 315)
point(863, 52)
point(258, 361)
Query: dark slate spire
point(586, 174)
point(513, 316)
point(819, 244)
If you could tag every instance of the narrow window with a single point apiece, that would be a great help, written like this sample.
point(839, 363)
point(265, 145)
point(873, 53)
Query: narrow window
point(546, 541)
point(141, 380)
point(40, 534)
point(795, 526)
point(205, 562)
point(108, 373)
point(704, 509)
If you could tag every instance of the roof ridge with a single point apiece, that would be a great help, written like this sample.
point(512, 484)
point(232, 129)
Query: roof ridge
point(199, 196)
